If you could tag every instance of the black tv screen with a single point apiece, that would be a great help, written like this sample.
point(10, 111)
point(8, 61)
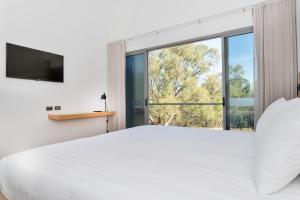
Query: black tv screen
point(26, 63)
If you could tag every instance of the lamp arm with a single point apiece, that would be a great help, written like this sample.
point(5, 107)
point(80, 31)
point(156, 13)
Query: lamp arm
point(106, 108)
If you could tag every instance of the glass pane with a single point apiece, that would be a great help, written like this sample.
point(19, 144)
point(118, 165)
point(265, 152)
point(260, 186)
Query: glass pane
point(135, 67)
point(210, 116)
point(186, 73)
point(241, 82)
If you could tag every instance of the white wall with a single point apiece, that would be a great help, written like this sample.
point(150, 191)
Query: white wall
point(80, 30)
point(151, 15)
point(65, 27)
point(206, 28)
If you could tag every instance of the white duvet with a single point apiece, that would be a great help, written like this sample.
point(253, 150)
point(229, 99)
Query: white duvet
point(143, 163)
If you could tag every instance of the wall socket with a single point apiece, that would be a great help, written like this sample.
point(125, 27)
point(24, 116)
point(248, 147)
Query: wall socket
point(57, 108)
point(49, 108)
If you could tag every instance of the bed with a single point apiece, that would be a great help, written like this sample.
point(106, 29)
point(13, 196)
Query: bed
point(142, 163)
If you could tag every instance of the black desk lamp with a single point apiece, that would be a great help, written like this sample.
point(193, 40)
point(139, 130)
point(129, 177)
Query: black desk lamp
point(103, 97)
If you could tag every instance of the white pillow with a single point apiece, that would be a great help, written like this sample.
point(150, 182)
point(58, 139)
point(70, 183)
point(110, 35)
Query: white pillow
point(278, 153)
point(266, 118)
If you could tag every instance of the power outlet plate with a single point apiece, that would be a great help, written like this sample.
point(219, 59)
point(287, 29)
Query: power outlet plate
point(57, 107)
point(49, 108)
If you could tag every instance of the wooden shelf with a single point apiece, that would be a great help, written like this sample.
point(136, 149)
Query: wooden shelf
point(62, 117)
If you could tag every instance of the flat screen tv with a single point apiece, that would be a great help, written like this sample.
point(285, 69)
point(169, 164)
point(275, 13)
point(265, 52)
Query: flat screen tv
point(26, 63)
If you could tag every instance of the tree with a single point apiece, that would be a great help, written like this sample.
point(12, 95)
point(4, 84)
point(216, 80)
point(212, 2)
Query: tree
point(239, 86)
point(184, 74)
point(240, 116)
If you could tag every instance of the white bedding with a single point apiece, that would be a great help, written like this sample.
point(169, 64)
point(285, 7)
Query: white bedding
point(143, 163)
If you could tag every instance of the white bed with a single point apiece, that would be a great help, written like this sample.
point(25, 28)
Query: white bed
point(143, 163)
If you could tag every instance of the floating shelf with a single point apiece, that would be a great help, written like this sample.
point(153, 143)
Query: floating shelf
point(63, 117)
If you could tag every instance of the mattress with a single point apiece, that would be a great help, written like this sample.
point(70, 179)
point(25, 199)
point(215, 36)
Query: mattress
point(143, 163)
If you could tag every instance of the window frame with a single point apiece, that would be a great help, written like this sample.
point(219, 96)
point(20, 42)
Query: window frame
point(225, 82)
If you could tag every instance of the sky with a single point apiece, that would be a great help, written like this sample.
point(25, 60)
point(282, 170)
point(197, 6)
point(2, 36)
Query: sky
point(240, 51)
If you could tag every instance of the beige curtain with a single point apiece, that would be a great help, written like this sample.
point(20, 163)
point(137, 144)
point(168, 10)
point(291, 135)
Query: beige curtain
point(116, 54)
point(274, 25)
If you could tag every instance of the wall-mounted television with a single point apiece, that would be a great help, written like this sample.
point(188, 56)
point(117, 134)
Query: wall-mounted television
point(27, 63)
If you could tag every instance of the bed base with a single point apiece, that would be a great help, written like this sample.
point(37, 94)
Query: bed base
point(2, 197)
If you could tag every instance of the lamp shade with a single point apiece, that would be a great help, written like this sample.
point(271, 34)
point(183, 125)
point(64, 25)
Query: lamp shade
point(103, 96)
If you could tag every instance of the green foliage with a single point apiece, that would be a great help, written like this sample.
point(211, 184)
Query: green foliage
point(240, 117)
point(185, 74)
point(239, 86)
point(177, 76)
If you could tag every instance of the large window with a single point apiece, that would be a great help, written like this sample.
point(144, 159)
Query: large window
point(206, 83)
point(185, 85)
point(135, 93)
point(240, 82)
